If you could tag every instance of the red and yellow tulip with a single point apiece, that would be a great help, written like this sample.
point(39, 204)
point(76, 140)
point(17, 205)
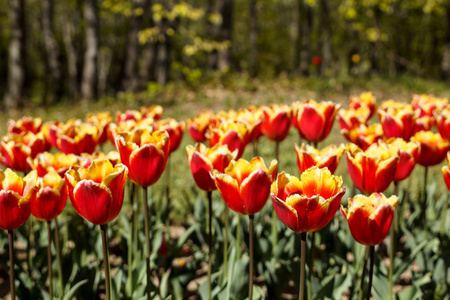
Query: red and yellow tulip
point(433, 148)
point(350, 118)
point(276, 122)
point(25, 124)
point(46, 162)
point(198, 126)
point(308, 156)
point(245, 186)
point(397, 119)
point(51, 197)
point(408, 154)
point(97, 192)
point(369, 217)
point(307, 204)
point(443, 122)
point(154, 112)
point(174, 129)
point(234, 134)
point(366, 99)
point(446, 172)
point(101, 120)
point(363, 136)
point(16, 196)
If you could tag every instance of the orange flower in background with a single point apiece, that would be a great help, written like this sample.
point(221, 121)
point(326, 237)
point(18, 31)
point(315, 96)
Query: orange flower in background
point(308, 204)
point(433, 148)
point(128, 115)
point(25, 124)
point(144, 153)
point(154, 112)
point(427, 104)
point(446, 172)
point(363, 136)
point(397, 119)
point(369, 218)
point(317, 60)
point(443, 122)
point(46, 162)
point(366, 99)
point(97, 192)
point(245, 186)
point(51, 197)
point(349, 118)
point(308, 156)
point(174, 129)
point(202, 160)
point(199, 125)
point(408, 153)
point(16, 196)
point(17, 148)
point(112, 156)
point(234, 134)
point(74, 137)
point(101, 120)
point(276, 122)
point(372, 170)
point(314, 120)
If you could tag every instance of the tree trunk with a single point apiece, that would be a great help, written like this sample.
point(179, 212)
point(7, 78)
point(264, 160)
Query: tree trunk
point(16, 49)
point(375, 52)
point(163, 55)
point(327, 57)
point(147, 65)
point(129, 82)
point(445, 63)
point(253, 38)
point(304, 25)
point(72, 57)
point(51, 48)
point(211, 35)
point(226, 34)
point(90, 71)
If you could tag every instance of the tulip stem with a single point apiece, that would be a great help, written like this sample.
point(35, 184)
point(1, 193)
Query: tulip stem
point(58, 258)
point(225, 245)
point(444, 219)
point(238, 238)
point(130, 240)
point(363, 276)
point(135, 218)
point(274, 214)
point(103, 229)
point(49, 259)
point(424, 202)
point(29, 262)
point(11, 264)
point(250, 242)
point(255, 147)
point(209, 193)
point(301, 293)
point(392, 247)
point(372, 258)
point(147, 241)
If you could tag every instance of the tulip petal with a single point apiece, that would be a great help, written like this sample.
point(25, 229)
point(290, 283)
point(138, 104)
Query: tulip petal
point(147, 164)
point(286, 213)
point(229, 190)
point(255, 190)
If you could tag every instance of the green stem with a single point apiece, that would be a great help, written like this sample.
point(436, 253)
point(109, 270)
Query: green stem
point(147, 240)
point(311, 264)
point(136, 219)
point(250, 242)
point(255, 147)
point(209, 241)
point(103, 229)
point(363, 276)
point(372, 258)
point(49, 259)
point(130, 241)
point(424, 202)
point(225, 244)
point(392, 247)
point(274, 214)
point(58, 259)
point(444, 217)
point(238, 238)
point(11, 264)
point(301, 293)
point(29, 259)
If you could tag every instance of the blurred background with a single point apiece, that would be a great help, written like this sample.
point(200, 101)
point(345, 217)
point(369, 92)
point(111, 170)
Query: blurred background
point(56, 51)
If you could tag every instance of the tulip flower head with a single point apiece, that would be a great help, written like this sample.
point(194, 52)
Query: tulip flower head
point(16, 196)
point(174, 129)
point(51, 197)
point(372, 170)
point(363, 136)
point(433, 148)
point(234, 134)
point(144, 153)
point(112, 156)
point(74, 137)
point(252, 117)
point(101, 120)
point(308, 156)
point(307, 204)
point(427, 104)
point(128, 115)
point(314, 120)
point(398, 119)
point(276, 122)
point(203, 160)
point(46, 162)
point(408, 154)
point(369, 217)
point(199, 126)
point(446, 172)
point(25, 124)
point(443, 122)
point(349, 118)
point(366, 99)
point(245, 186)
point(154, 112)
point(96, 192)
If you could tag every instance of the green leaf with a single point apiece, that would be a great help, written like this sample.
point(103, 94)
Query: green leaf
point(73, 290)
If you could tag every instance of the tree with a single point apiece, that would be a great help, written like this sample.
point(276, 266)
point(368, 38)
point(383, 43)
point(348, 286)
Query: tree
point(226, 34)
point(90, 70)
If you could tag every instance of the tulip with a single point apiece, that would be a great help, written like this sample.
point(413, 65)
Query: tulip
point(349, 118)
point(306, 205)
point(308, 156)
point(276, 122)
point(154, 112)
point(101, 120)
point(145, 154)
point(314, 119)
point(112, 156)
point(203, 160)
point(133, 115)
point(74, 137)
point(373, 170)
point(46, 162)
point(424, 123)
point(16, 196)
point(174, 129)
point(363, 136)
point(234, 134)
point(446, 174)
point(51, 197)
point(397, 119)
point(365, 99)
point(198, 126)
point(25, 124)
point(252, 118)
point(427, 104)
point(433, 148)
point(245, 186)
point(97, 194)
point(408, 153)
point(17, 148)
point(443, 122)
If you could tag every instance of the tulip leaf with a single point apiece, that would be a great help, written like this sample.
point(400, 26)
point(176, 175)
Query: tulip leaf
point(380, 288)
point(164, 286)
point(71, 292)
point(116, 284)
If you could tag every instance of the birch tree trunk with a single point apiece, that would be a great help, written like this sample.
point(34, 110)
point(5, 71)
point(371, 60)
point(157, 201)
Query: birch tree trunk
point(90, 70)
